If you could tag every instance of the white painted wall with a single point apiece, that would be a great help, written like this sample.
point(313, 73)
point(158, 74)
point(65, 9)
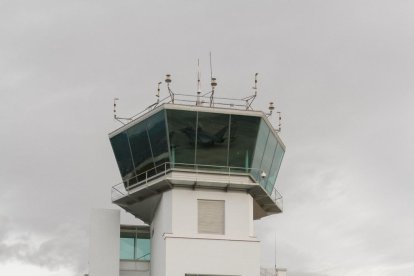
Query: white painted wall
point(212, 257)
point(238, 212)
point(160, 225)
point(134, 268)
point(177, 248)
point(104, 242)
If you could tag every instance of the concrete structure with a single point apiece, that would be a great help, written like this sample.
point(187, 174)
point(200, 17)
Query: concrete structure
point(197, 176)
point(104, 242)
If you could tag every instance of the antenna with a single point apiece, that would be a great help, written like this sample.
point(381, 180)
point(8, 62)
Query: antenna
point(158, 91)
point(271, 108)
point(276, 272)
point(198, 83)
point(211, 68)
point(213, 84)
point(119, 119)
point(249, 100)
point(115, 99)
point(154, 105)
point(255, 83)
point(280, 122)
point(168, 81)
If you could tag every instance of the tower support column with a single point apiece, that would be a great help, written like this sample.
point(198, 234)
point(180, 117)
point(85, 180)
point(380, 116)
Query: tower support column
point(204, 232)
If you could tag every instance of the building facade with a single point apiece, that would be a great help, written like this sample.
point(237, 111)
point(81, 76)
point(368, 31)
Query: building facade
point(198, 177)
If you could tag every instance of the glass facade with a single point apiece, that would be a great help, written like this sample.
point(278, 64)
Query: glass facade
point(202, 140)
point(141, 149)
point(182, 135)
point(242, 142)
point(212, 139)
point(135, 244)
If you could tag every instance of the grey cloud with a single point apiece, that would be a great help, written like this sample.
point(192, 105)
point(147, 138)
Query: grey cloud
point(340, 71)
point(64, 248)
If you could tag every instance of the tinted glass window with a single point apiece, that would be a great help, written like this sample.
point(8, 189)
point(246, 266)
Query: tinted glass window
point(182, 135)
point(259, 150)
point(122, 153)
point(142, 249)
point(277, 160)
point(140, 148)
point(158, 139)
point(243, 134)
point(127, 246)
point(212, 139)
point(134, 246)
point(268, 158)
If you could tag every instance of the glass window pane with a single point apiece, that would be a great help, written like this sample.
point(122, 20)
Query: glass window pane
point(259, 150)
point(212, 139)
point(268, 158)
point(140, 148)
point(274, 170)
point(126, 249)
point(182, 135)
point(158, 139)
point(243, 134)
point(122, 153)
point(142, 249)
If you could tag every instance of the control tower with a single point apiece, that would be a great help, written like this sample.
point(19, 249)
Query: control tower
point(199, 173)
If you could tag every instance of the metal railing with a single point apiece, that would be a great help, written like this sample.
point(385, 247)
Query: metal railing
point(201, 100)
point(122, 189)
point(277, 198)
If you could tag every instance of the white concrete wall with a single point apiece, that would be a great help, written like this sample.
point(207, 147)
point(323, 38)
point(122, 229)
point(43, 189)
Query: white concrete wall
point(212, 257)
point(104, 242)
point(281, 272)
point(134, 268)
point(160, 226)
point(177, 248)
point(238, 212)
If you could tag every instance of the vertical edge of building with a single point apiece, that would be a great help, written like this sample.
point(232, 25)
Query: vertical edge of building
point(104, 242)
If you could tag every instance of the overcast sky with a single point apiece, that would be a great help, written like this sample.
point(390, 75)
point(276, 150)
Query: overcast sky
point(341, 72)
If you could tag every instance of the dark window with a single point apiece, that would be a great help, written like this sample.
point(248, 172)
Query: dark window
point(243, 134)
point(268, 158)
point(212, 140)
point(120, 147)
point(182, 135)
point(274, 170)
point(158, 139)
point(259, 150)
point(141, 150)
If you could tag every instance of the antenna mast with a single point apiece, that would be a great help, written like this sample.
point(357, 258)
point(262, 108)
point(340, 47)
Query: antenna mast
point(168, 81)
point(276, 272)
point(249, 100)
point(198, 83)
point(213, 84)
point(119, 119)
point(280, 122)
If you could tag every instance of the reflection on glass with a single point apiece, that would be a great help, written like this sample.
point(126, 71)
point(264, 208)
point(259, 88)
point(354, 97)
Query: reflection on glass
point(259, 150)
point(127, 248)
point(141, 149)
point(182, 135)
point(142, 249)
point(158, 139)
point(243, 133)
point(135, 243)
point(268, 158)
point(120, 146)
point(212, 139)
point(274, 170)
